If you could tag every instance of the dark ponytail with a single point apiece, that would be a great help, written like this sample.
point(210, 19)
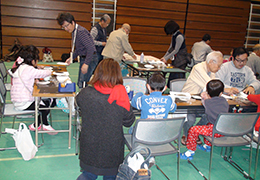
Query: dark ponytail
point(28, 54)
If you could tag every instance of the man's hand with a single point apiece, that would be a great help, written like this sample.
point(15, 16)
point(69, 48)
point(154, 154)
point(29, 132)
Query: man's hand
point(163, 60)
point(134, 56)
point(249, 90)
point(68, 61)
point(104, 43)
point(84, 68)
point(231, 91)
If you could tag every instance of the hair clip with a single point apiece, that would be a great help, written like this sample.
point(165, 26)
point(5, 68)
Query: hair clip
point(19, 60)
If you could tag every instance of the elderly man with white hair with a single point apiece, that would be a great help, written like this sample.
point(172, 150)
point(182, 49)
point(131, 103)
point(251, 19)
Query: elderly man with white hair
point(203, 72)
point(118, 43)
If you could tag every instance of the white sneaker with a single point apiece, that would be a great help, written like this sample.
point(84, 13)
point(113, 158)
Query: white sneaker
point(49, 128)
point(151, 162)
point(256, 133)
point(32, 128)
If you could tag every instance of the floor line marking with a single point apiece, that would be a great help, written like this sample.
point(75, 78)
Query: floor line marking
point(39, 157)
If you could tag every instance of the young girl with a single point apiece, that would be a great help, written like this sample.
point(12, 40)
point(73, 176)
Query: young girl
point(24, 75)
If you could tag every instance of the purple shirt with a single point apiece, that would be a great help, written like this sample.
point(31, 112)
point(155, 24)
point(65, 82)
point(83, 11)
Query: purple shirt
point(84, 44)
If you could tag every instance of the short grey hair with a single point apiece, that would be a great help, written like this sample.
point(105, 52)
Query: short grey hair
point(126, 26)
point(105, 17)
point(214, 55)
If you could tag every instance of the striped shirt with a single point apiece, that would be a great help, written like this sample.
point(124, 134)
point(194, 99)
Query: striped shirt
point(84, 44)
point(94, 34)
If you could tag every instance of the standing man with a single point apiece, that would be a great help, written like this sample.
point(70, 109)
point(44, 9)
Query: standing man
point(82, 46)
point(254, 60)
point(118, 43)
point(99, 34)
point(237, 75)
point(201, 49)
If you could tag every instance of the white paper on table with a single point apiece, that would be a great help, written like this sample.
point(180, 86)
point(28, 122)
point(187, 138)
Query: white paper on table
point(61, 73)
point(147, 59)
point(226, 96)
point(196, 97)
point(63, 79)
point(62, 63)
point(183, 96)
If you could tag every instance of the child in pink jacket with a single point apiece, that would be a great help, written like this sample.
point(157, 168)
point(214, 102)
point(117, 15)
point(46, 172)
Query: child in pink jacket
point(24, 74)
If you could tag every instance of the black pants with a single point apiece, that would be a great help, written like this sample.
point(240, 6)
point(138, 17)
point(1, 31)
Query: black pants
point(43, 113)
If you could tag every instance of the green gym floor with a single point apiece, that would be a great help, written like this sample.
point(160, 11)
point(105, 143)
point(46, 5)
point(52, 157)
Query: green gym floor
point(55, 161)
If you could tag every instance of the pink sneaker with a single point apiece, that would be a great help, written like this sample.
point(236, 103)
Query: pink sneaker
point(49, 128)
point(32, 128)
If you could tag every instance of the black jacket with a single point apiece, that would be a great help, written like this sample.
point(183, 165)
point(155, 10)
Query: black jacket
point(101, 138)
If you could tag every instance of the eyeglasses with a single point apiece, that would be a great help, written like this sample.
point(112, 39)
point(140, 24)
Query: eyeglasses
point(241, 61)
point(65, 26)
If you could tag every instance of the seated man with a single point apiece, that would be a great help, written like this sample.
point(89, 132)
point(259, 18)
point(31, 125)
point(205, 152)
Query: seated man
point(200, 75)
point(203, 72)
point(254, 60)
point(237, 75)
point(201, 49)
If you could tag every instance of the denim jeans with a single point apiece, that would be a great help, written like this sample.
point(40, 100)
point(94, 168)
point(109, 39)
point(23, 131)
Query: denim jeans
point(100, 57)
point(89, 176)
point(91, 67)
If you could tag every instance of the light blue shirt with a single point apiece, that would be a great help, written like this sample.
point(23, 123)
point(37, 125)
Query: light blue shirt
point(153, 106)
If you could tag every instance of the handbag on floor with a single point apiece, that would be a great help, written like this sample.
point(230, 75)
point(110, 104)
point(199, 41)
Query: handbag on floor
point(135, 165)
point(23, 141)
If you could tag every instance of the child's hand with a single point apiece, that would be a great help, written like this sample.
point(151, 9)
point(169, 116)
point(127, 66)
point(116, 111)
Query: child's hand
point(40, 67)
point(204, 95)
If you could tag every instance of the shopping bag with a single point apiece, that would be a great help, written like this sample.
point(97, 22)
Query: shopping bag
point(62, 103)
point(135, 165)
point(24, 143)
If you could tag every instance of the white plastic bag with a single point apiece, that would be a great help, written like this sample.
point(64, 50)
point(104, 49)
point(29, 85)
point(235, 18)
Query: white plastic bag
point(135, 162)
point(23, 142)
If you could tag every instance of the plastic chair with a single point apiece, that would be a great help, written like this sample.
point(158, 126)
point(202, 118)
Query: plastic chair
point(3, 72)
point(256, 140)
point(159, 135)
point(136, 84)
point(77, 128)
point(176, 85)
point(234, 127)
point(8, 109)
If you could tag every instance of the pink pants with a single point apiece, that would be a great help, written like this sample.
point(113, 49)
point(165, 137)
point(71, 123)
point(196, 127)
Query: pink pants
point(194, 133)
